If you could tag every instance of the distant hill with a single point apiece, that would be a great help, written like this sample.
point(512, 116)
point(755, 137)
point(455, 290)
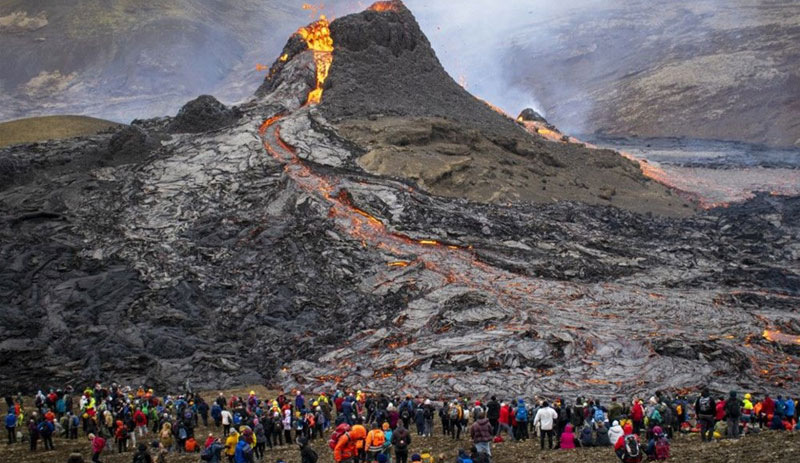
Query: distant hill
point(36, 129)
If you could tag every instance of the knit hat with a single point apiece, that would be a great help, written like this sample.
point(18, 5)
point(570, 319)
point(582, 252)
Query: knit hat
point(416, 457)
point(382, 458)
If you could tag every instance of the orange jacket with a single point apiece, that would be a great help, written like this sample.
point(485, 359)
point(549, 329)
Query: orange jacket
point(375, 440)
point(348, 443)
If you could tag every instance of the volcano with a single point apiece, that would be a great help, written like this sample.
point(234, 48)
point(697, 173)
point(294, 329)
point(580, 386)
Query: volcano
point(364, 221)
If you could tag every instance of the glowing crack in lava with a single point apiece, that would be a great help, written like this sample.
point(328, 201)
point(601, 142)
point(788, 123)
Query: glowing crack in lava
point(318, 38)
point(781, 338)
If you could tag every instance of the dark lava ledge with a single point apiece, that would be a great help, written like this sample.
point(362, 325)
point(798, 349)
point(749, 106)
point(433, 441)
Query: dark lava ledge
point(206, 257)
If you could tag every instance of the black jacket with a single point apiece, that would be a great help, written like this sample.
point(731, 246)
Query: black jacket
point(308, 455)
point(493, 410)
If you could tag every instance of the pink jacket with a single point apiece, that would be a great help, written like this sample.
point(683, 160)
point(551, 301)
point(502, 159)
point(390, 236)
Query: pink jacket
point(98, 443)
point(567, 438)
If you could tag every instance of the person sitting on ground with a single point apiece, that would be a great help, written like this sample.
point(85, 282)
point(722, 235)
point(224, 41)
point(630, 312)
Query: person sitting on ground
point(142, 455)
point(601, 436)
point(628, 448)
point(568, 438)
point(307, 454)
point(586, 438)
point(658, 447)
point(615, 433)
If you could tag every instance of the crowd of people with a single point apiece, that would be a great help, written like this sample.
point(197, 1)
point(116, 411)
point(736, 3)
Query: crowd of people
point(368, 428)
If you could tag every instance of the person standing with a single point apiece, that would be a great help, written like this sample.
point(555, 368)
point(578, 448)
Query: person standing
point(11, 426)
point(481, 434)
point(401, 439)
point(704, 408)
point(546, 419)
point(493, 414)
point(733, 411)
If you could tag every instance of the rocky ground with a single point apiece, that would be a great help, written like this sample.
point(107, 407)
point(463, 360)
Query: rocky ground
point(249, 252)
point(767, 447)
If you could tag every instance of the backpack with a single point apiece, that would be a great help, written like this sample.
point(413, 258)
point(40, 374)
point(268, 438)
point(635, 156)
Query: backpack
point(341, 430)
point(631, 450)
point(237, 419)
point(206, 454)
point(182, 433)
point(454, 413)
point(662, 448)
point(464, 459)
point(522, 413)
point(599, 416)
point(141, 458)
point(43, 429)
point(75, 421)
point(405, 415)
point(704, 406)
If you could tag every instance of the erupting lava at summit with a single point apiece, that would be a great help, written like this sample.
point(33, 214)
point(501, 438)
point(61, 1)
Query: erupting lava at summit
point(318, 38)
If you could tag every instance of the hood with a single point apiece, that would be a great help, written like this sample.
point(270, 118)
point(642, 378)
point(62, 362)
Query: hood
point(568, 428)
point(628, 429)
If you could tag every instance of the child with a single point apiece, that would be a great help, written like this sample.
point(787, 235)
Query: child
point(658, 447)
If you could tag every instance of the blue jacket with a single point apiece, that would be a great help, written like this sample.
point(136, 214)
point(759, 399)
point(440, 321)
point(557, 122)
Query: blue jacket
point(789, 407)
point(11, 420)
point(216, 452)
point(216, 412)
point(239, 456)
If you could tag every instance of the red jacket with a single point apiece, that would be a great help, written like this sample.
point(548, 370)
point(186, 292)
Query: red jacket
point(505, 415)
point(768, 406)
point(637, 414)
point(98, 443)
point(139, 418)
point(720, 410)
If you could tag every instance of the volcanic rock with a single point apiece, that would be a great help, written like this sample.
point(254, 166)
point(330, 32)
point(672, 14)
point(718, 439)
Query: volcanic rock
point(203, 114)
point(262, 252)
point(530, 115)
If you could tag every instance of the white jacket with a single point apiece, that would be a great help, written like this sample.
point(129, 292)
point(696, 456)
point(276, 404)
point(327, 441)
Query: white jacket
point(227, 418)
point(545, 418)
point(615, 433)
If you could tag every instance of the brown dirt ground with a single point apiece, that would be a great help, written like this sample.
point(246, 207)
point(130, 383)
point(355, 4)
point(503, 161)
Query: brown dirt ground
point(767, 447)
point(37, 129)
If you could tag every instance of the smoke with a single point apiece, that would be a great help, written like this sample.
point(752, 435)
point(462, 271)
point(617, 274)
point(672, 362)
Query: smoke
point(475, 41)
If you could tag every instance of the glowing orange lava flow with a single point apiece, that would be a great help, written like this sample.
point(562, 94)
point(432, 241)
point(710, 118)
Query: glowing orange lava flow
point(318, 38)
point(384, 6)
point(777, 336)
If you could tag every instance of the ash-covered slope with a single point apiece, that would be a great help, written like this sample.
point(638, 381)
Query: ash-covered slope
point(384, 65)
point(388, 94)
point(257, 250)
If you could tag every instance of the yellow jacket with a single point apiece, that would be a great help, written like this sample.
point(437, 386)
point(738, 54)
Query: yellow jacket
point(230, 443)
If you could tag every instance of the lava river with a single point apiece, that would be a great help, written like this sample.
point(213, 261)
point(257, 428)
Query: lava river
point(500, 330)
point(582, 325)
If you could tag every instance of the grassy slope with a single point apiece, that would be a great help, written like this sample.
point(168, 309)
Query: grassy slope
point(50, 127)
